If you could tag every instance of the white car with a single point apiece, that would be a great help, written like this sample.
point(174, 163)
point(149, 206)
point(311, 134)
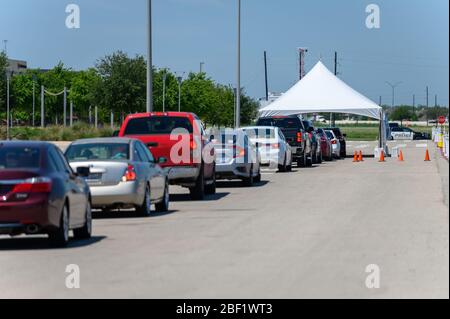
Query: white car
point(335, 144)
point(274, 150)
point(236, 157)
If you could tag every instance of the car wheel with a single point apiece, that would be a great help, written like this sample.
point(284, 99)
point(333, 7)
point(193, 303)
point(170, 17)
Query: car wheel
point(86, 231)
point(60, 237)
point(301, 162)
point(283, 168)
point(198, 191)
point(319, 159)
point(163, 205)
point(248, 181)
point(258, 177)
point(211, 188)
point(145, 209)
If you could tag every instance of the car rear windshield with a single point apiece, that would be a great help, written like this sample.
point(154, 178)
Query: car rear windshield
point(98, 152)
point(19, 157)
point(283, 122)
point(157, 125)
point(329, 135)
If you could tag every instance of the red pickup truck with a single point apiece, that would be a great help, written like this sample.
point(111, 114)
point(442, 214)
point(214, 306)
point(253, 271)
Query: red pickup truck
point(179, 143)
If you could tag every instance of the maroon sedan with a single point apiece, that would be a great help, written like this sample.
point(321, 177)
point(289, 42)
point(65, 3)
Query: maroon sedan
point(325, 145)
point(40, 194)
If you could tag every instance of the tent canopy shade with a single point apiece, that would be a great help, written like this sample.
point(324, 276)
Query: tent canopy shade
point(320, 91)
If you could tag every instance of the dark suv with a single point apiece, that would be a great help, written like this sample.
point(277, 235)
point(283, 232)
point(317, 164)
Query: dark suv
point(296, 135)
point(341, 137)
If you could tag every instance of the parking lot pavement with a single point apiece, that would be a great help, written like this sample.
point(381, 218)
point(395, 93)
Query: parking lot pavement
point(310, 233)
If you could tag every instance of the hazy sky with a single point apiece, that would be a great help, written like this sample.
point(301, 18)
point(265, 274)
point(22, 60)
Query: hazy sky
point(411, 46)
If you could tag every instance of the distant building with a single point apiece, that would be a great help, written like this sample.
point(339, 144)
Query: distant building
point(16, 66)
point(272, 98)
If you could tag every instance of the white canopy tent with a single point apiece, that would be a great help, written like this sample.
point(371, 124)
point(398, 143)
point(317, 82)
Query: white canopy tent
point(320, 91)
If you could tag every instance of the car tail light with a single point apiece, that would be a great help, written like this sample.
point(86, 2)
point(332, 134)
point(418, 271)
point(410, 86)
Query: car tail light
point(299, 137)
point(193, 145)
point(275, 146)
point(239, 152)
point(34, 185)
point(130, 174)
point(334, 142)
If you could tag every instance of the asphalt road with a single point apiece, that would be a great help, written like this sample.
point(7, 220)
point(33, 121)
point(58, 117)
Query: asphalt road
point(306, 234)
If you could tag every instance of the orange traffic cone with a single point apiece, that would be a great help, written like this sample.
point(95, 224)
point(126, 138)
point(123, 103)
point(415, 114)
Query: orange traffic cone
point(400, 156)
point(361, 159)
point(382, 157)
point(355, 158)
point(427, 156)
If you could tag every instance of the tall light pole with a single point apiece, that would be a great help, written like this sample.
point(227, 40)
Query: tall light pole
point(8, 79)
point(238, 84)
point(164, 90)
point(393, 86)
point(34, 100)
point(202, 64)
point(180, 80)
point(149, 59)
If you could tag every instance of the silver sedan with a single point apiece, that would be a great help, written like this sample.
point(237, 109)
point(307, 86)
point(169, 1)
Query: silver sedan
point(123, 174)
point(236, 157)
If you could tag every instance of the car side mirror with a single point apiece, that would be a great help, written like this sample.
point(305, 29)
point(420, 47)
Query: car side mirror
point(115, 133)
point(162, 160)
point(83, 171)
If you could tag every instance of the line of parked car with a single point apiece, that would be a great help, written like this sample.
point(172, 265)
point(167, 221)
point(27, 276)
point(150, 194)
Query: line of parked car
point(45, 191)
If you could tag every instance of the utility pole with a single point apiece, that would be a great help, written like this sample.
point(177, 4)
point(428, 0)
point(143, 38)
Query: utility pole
point(5, 42)
point(34, 100)
point(71, 114)
point(265, 74)
point(96, 116)
point(149, 59)
point(42, 107)
point(414, 104)
point(180, 80)
point(435, 100)
point(393, 86)
point(238, 84)
point(335, 63)
point(8, 78)
point(428, 105)
point(301, 62)
point(201, 66)
point(164, 90)
point(65, 107)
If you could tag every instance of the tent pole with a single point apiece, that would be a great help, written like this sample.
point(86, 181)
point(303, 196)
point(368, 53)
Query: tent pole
point(381, 131)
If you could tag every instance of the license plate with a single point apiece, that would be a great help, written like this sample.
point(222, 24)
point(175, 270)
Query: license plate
point(95, 176)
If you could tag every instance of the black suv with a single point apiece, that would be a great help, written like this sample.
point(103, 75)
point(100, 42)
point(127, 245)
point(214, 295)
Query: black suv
point(295, 133)
point(341, 138)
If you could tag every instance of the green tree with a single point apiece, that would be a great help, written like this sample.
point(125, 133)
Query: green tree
point(123, 83)
point(402, 113)
point(83, 92)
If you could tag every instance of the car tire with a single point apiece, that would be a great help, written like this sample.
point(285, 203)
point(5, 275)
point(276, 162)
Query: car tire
point(60, 237)
point(319, 158)
point(163, 205)
point(249, 181)
point(86, 231)
point(301, 162)
point(211, 188)
point(258, 177)
point(283, 168)
point(145, 209)
point(198, 191)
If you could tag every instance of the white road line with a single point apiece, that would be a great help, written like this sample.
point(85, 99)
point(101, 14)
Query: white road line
point(362, 146)
point(421, 145)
